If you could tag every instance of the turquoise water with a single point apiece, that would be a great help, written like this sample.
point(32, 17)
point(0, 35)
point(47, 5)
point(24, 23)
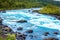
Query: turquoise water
point(39, 23)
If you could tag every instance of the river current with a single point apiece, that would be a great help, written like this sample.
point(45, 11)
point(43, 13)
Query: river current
point(39, 23)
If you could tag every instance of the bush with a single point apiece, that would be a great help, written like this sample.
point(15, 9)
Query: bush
point(11, 37)
point(50, 9)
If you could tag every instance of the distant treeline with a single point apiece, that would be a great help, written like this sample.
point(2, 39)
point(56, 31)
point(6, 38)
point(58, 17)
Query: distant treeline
point(19, 4)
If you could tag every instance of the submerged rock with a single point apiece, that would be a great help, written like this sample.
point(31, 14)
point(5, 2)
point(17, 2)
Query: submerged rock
point(29, 31)
point(46, 33)
point(58, 17)
point(56, 33)
point(20, 28)
point(4, 11)
point(51, 39)
point(1, 21)
point(31, 36)
point(22, 21)
point(35, 11)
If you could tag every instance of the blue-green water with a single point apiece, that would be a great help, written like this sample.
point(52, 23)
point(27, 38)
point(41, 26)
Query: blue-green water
point(39, 23)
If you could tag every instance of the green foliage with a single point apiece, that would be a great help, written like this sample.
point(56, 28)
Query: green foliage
point(11, 37)
point(19, 4)
point(50, 9)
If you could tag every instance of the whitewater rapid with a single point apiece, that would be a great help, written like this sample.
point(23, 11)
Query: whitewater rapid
point(38, 22)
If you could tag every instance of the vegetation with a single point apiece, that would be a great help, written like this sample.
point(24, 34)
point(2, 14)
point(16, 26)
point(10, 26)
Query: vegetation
point(6, 37)
point(19, 4)
point(50, 9)
point(11, 37)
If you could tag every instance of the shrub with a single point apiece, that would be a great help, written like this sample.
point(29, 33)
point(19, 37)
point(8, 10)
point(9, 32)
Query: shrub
point(11, 37)
point(50, 9)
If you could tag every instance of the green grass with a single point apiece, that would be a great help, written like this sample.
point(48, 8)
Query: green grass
point(50, 9)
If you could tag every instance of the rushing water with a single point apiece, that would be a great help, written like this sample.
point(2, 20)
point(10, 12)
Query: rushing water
point(39, 23)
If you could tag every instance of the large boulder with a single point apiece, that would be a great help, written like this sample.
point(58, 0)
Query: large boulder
point(22, 21)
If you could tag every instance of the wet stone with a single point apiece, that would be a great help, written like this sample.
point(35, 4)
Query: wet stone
point(46, 33)
point(1, 21)
point(20, 28)
point(21, 21)
point(31, 36)
point(3, 11)
point(29, 31)
point(51, 39)
point(21, 37)
point(56, 33)
point(5, 26)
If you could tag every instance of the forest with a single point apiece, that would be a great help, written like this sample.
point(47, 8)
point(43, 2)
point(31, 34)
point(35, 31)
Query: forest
point(21, 4)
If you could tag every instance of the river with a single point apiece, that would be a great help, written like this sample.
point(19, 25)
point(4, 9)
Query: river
point(39, 23)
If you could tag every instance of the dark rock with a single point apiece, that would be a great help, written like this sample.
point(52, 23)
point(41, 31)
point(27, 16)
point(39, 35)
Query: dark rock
point(31, 36)
point(6, 29)
point(51, 39)
point(21, 21)
point(3, 11)
point(46, 33)
point(5, 26)
point(29, 31)
point(20, 28)
point(35, 11)
point(58, 17)
point(29, 10)
point(21, 37)
point(1, 21)
point(56, 33)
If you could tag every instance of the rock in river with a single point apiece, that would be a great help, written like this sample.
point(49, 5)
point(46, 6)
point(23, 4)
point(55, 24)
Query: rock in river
point(20, 28)
point(1, 21)
point(21, 21)
point(29, 31)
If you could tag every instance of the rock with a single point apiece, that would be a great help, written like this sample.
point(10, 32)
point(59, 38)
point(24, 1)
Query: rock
point(21, 21)
point(5, 25)
point(29, 31)
point(58, 17)
point(31, 36)
point(20, 28)
point(56, 33)
point(3, 11)
point(35, 11)
point(51, 39)
point(1, 21)
point(21, 37)
point(29, 10)
point(6, 29)
point(46, 33)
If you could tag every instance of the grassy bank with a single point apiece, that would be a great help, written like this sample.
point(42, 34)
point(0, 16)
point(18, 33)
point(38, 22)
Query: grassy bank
point(50, 9)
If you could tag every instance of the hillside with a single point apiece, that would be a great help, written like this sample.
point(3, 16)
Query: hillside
point(19, 4)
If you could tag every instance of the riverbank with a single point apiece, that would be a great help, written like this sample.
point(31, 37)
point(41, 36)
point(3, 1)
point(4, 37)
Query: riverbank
point(53, 15)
